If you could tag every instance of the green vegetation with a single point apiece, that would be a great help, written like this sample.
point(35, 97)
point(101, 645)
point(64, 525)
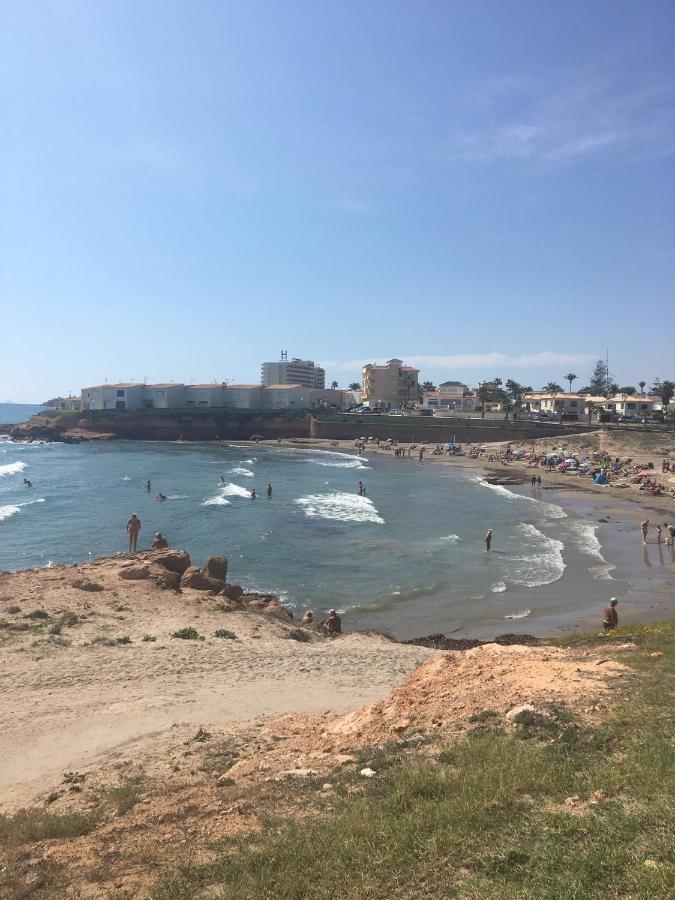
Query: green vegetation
point(224, 633)
point(188, 634)
point(557, 809)
point(31, 825)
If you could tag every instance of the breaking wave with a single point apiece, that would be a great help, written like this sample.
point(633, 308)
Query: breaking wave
point(340, 506)
point(549, 509)
point(234, 490)
point(216, 501)
point(450, 538)
point(6, 512)
point(499, 587)
point(12, 468)
point(519, 615)
point(239, 471)
point(586, 540)
point(544, 563)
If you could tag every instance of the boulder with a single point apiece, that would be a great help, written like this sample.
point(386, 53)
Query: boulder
point(135, 573)
point(215, 567)
point(174, 560)
point(83, 584)
point(194, 578)
point(166, 580)
point(274, 608)
point(233, 592)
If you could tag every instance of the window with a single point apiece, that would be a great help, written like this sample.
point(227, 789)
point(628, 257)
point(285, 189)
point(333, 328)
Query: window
point(160, 393)
point(120, 393)
point(574, 403)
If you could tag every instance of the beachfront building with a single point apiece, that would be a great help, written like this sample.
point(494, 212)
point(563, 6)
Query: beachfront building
point(563, 405)
point(285, 396)
point(294, 371)
point(393, 384)
point(244, 396)
point(204, 396)
point(451, 395)
point(331, 398)
point(113, 396)
point(632, 405)
point(164, 396)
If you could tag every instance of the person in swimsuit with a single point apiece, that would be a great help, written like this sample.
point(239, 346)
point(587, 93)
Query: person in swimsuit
point(488, 539)
point(644, 528)
point(160, 543)
point(269, 490)
point(133, 529)
point(611, 616)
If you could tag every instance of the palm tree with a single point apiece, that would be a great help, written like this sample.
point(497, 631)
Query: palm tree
point(590, 409)
point(354, 386)
point(642, 387)
point(428, 386)
point(334, 384)
point(483, 393)
point(552, 388)
point(571, 377)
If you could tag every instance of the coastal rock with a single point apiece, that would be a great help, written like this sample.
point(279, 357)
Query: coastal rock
point(166, 580)
point(216, 567)
point(174, 560)
point(274, 608)
point(83, 584)
point(196, 579)
point(233, 592)
point(135, 573)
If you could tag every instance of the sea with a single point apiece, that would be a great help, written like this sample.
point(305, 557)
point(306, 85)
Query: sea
point(407, 558)
point(13, 413)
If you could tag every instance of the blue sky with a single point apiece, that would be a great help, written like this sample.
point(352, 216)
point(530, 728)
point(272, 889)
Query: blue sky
point(480, 188)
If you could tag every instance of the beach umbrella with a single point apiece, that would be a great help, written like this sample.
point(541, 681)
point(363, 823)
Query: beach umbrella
point(645, 473)
point(561, 466)
point(572, 461)
point(449, 445)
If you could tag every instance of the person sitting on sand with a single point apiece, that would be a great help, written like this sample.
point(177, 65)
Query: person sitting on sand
point(133, 528)
point(333, 624)
point(611, 616)
point(644, 527)
point(308, 618)
point(488, 539)
point(160, 543)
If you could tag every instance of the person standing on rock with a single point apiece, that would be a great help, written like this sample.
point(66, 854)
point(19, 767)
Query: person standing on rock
point(488, 539)
point(611, 616)
point(133, 529)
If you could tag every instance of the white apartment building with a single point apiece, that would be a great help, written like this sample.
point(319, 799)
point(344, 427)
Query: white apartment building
point(392, 384)
point(113, 396)
point(209, 396)
point(633, 405)
point(244, 396)
point(451, 395)
point(285, 396)
point(568, 405)
point(295, 371)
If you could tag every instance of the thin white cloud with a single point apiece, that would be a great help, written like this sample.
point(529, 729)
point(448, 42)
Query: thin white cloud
point(521, 120)
point(470, 361)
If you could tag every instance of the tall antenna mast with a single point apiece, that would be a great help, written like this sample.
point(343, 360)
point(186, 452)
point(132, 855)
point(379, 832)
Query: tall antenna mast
point(607, 370)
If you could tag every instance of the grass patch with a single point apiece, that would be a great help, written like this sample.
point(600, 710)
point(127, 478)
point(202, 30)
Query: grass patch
point(125, 795)
point(224, 633)
point(188, 634)
point(148, 638)
point(28, 826)
point(555, 809)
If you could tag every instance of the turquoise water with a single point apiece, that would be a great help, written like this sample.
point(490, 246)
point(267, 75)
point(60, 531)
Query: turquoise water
point(408, 558)
point(13, 413)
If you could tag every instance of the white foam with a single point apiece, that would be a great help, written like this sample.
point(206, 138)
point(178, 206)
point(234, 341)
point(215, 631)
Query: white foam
point(178, 497)
point(7, 511)
point(239, 471)
point(251, 461)
point(498, 588)
point(544, 563)
point(585, 537)
point(519, 615)
point(234, 490)
point(451, 538)
point(340, 506)
point(10, 510)
point(353, 463)
point(551, 510)
point(216, 501)
point(12, 469)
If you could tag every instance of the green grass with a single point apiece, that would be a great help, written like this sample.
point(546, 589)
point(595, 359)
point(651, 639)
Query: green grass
point(28, 826)
point(188, 634)
point(489, 818)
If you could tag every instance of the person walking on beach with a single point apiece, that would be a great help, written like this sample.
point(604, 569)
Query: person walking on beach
point(611, 616)
point(670, 534)
point(133, 528)
point(538, 480)
point(269, 489)
point(644, 527)
point(488, 539)
point(658, 534)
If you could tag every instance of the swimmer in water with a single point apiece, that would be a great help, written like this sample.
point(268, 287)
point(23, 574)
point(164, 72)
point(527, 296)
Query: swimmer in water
point(488, 539)
point(222, 480)
point(362, 490)
point(27, 482)
point(148, 486)
point(253, 494)
point(161, 497)
point(269, 490)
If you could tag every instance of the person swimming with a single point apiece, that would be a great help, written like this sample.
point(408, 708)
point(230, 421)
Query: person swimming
point(161, 497)
point(148, 486)
point(27, 482)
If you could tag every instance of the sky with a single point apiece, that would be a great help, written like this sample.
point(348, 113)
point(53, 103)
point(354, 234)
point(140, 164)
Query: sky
point(478, 188)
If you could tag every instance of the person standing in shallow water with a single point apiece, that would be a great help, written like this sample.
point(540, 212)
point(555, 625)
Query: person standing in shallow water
point(133, 529)
point(488, 539)
point(644, 528)
point(269, 490)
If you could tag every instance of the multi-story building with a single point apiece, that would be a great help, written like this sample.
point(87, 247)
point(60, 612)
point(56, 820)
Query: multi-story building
point(451, 395)
point(294, 371)
point(563, 405)
point(244, 396)
point(113, 396)
point(209, 396)
point(392, 384)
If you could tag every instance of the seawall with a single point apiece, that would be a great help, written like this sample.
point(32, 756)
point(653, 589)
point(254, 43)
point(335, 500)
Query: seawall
point(422, 429)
